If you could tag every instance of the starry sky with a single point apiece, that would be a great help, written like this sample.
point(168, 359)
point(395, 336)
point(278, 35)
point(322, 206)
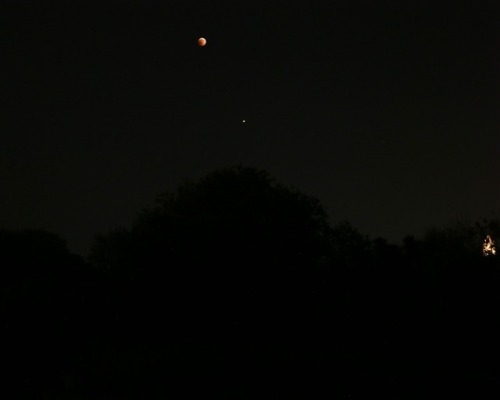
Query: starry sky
point(387, 111)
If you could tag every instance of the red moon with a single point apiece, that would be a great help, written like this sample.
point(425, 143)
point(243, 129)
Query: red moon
point(202, 42)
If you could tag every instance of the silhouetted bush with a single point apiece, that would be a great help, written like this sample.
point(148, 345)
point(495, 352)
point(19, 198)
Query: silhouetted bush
point(43, 289)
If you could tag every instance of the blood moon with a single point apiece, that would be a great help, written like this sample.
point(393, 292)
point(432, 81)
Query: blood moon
point(202, 42)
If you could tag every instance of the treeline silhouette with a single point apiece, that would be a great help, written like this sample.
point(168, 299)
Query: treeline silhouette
point(237, 287)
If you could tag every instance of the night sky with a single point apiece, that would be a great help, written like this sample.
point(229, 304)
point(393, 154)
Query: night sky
point(387, 111)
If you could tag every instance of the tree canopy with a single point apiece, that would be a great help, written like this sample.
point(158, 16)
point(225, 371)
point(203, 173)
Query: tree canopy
point(232, 220)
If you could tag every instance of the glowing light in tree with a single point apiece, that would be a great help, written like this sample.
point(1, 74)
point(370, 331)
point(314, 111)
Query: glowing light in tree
point(489, 247)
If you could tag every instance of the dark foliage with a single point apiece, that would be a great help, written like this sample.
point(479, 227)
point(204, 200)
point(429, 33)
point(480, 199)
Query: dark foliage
point(45, 293)
point(235, 286)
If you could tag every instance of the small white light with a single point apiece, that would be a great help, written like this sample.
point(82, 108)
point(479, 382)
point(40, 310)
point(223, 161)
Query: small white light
point(489, 246)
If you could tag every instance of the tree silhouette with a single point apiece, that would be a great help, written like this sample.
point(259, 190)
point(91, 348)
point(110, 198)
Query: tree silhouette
point(235, 272)
point(234, 257)
point(235, 225)
point(44, 291)
point(350, 249)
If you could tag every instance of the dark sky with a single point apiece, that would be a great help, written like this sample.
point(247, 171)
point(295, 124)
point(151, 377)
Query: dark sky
point(387, 111)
